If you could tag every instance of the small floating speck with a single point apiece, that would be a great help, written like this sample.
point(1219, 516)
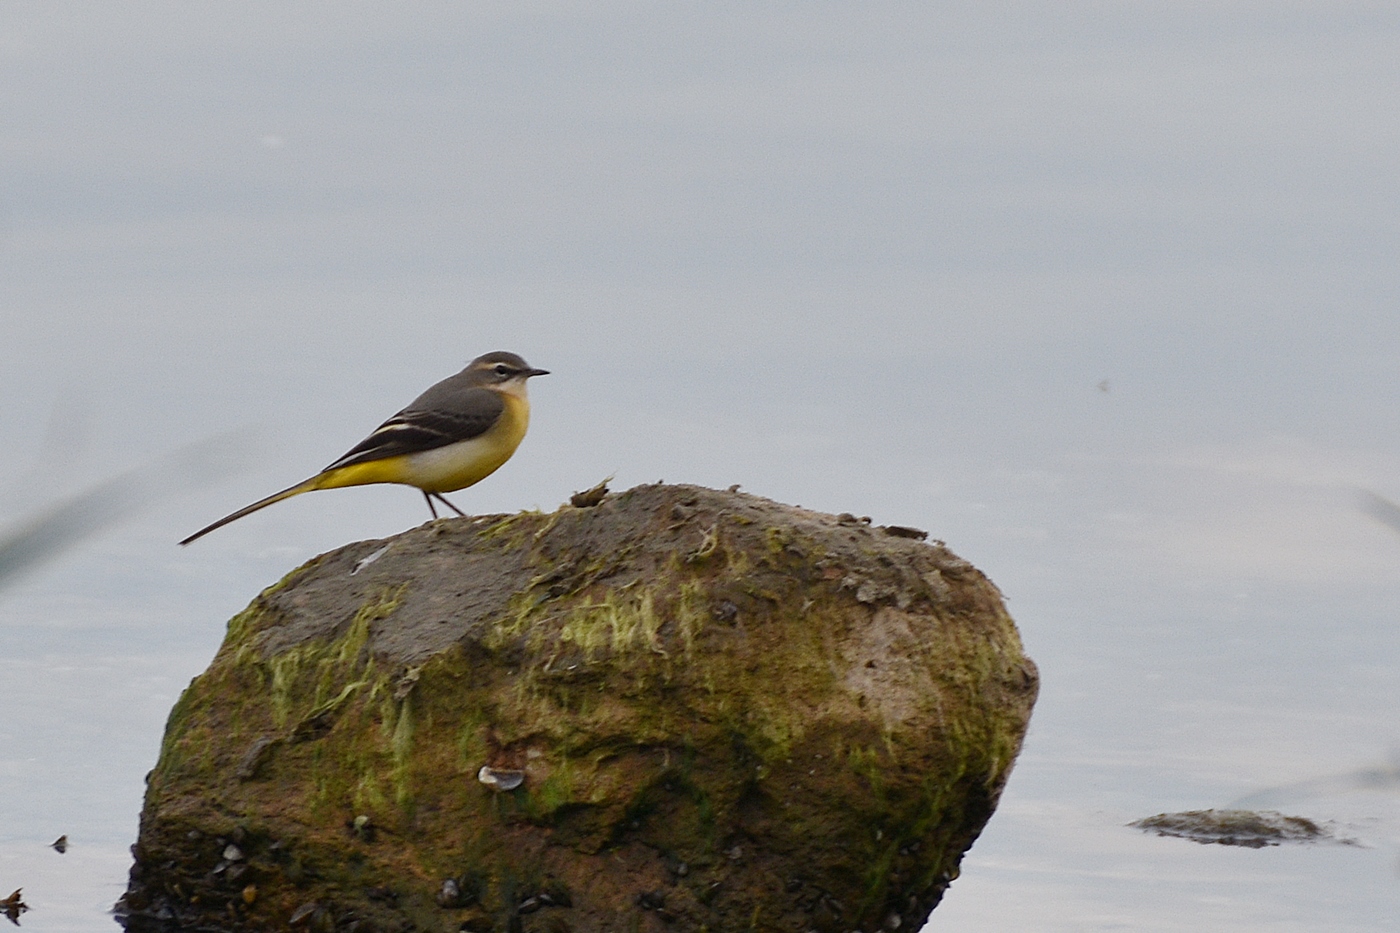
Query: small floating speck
point(499, 779)
point(366, 561)
point(60, 845)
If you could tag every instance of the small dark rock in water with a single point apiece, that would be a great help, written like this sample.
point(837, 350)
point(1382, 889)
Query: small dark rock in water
point(13, 906)
point(1249, 828)
point(60, 845)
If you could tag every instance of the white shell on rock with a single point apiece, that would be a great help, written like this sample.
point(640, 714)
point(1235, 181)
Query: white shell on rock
point(366, 561)
point(499, 779)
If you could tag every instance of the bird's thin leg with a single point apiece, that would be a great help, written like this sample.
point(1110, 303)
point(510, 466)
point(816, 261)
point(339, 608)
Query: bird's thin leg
point(431, 507)
point(443, 499)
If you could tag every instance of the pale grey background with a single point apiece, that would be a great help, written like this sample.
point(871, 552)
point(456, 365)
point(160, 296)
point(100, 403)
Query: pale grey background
point(871, 257)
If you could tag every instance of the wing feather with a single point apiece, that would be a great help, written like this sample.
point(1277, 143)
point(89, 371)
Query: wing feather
point(456, 416)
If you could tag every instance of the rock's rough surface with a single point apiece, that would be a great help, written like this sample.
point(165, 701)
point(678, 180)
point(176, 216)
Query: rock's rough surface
point(679, 709)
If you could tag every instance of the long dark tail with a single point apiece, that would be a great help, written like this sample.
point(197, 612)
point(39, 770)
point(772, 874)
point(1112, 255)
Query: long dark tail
point(298, 489)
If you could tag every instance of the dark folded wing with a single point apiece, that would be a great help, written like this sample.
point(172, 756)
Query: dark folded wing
point(465, 416)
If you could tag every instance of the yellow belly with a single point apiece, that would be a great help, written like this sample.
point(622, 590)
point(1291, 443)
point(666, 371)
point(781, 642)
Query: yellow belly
point(443, 469)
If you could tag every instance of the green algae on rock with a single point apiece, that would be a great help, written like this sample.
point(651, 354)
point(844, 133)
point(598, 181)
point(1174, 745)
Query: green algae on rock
point(725, 714)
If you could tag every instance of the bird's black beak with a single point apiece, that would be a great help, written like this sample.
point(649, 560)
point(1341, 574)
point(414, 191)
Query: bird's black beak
point(536, 372)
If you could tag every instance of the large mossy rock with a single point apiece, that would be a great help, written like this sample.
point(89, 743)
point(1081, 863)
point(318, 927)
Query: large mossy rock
point(723, 713)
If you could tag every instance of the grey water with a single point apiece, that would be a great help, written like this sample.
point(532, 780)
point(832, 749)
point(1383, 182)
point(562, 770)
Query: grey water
point(1203, 684)
point(1102, 294)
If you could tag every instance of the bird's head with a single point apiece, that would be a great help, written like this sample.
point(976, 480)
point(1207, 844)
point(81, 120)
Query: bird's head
point(503, 372)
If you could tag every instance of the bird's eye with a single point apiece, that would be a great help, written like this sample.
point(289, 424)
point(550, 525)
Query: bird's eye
point(502, 369)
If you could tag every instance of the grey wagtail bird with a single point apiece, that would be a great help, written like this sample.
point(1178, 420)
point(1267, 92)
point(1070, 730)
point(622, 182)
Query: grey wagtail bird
point(452, 436)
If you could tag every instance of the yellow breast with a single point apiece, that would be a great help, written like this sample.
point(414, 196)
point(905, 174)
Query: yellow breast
point(444, 469)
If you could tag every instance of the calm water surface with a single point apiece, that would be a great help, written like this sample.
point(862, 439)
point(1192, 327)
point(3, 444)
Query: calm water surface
point(1161, 692)
point(1103, 294)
